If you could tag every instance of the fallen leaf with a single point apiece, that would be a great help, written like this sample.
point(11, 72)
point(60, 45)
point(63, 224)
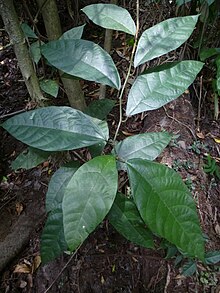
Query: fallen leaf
point(36, 263)
point(102, 280)
point(217, 140)
point(19, 207)
point(217, 229)
point(200, 135)
point(22, 268)
point(127, 133)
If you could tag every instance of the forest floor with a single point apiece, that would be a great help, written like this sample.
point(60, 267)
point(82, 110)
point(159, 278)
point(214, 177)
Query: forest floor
point(106, 262)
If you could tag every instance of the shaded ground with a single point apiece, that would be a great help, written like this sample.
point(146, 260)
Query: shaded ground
point(106, 262)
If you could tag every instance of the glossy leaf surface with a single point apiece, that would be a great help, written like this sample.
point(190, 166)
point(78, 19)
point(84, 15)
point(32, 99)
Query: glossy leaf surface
point(143, 146)
point(83, 59)
point(52, 239)
point(111, 16)
point(30, 158)
point(166, 205)
point(126, 219)
point(88, 198)
point(58, 184)
point(163, 38)
point(153, 90)
point(56, 129)
point(73, 33)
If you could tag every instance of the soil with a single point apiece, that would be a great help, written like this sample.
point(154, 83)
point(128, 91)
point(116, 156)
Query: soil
point(106, 262)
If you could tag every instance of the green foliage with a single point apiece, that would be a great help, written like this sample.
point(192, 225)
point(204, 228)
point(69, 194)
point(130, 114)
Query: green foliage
point(30, 158)
point(52, 239)
point(50, 87)
point(42, 129)
point(125, 218)
point(83, 59)
point(79, 198)
point(165, 204)
point(100, 108)
point(111, 17)
point(211, 167)
point(144, 146)
point(163, 38)
point(154, 90)
point(87, 206)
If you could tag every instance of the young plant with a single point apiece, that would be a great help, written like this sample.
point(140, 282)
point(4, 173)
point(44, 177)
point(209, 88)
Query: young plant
point(80, 197)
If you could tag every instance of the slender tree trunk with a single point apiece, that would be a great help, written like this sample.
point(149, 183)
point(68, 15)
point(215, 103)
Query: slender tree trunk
point(17, 39)
point(54, 31)
point(107, 47)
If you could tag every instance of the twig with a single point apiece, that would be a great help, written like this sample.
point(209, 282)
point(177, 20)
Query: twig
point(62, 270)
point(167, 279)
point(13, 113)
point(173, 118)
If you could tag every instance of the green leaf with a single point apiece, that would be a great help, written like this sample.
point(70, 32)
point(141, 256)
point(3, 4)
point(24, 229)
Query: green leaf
point(100, 108)
point(212, 257)
point(30, 158)
point(57, 185)
point(83, 59)
point(36, 51)
point(166, 205)
point(56, 129)
point(111, 16)
point(88, 198)
point(53, 242)
point(163, 38)
point(28, 32)
point(50, 87)
point(189, 268)
point(206, 53)
point(74, 33)
point(126, 219)
point(52, 239)
point(143, 146)
point(153, 90)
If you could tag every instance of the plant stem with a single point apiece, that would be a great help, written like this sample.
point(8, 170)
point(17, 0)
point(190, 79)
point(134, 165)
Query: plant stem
point(128, 73)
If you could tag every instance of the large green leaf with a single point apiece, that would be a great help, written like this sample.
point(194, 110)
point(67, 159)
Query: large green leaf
point(30, 158)
point(73, 33)
point(143, 146)
point(126, 219)
point(153, 90)
point(111, 16)
point(57, 185)
point(166, 205)
point(88, 198)
point(163, 38)
point(52, 239)
point(83, 59)
point(56, 129)
point(53, 242)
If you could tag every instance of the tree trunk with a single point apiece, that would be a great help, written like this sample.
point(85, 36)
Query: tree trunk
point(54, 31)
point(17, 39)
